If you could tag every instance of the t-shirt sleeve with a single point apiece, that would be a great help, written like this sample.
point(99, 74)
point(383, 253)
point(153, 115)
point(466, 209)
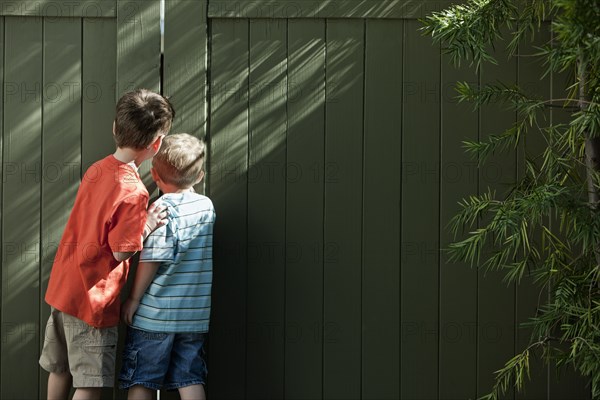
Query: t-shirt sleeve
point(159, 245)
point(127, 225)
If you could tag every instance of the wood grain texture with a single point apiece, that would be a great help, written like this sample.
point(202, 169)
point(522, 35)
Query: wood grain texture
point(266, 208)
point(229, 192)
point(307, 9)
point(99, 81)
point(185, 63)
point(59, 8)
point(343, 177)
point(564, 383)
point(2, 274)
point(21, 207)
point(420, 216)
point(496, 299)
point(458, 281)
point(138, 55)
point(304, 210)
point(381, 334)
point(61, 144)
point(528, 293)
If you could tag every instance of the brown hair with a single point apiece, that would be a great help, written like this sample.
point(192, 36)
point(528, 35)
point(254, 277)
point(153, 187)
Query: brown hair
point(141, 116)
point(180, 160)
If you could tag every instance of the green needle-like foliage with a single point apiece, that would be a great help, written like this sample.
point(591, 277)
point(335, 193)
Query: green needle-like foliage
point(548, 225)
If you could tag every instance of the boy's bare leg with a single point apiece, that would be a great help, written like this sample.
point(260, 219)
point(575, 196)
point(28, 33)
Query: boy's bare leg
point(59, 385)
point(87, 393)
point(193, 392)
point(138, 392)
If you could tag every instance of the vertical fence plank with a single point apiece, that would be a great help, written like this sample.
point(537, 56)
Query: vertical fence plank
point(99, 74)
point(496, 300)
point(228, 190)
point(304, 213)
point(528, 293)
point(458, 281)
point(184, 74)
point(185, 52)
point(342, 173)
point(21, 208)
point(138, 54)
point(2, 114)
point(381, 210)
point(61, 143)
point(266, 209)
point(564, 383)
point(420, 239)
point(138, 45)
point(138, 66)
point(99, 87)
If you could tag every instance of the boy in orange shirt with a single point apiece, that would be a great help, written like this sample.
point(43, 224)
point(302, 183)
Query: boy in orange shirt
point(107, 225)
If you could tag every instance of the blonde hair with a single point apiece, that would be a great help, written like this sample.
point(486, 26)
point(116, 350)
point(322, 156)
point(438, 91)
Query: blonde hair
point(180, 160)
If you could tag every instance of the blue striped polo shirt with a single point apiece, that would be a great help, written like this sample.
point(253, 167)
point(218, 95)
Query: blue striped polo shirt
point(178, 299)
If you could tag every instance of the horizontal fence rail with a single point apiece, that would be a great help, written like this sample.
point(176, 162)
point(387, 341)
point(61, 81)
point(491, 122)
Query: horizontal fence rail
point(293, 9)
point(59, 8)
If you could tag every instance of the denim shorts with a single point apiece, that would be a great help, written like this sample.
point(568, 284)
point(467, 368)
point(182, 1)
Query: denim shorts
point(159, 360)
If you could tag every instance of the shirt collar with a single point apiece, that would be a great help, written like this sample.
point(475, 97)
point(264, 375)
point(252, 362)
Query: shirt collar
point(133, 165)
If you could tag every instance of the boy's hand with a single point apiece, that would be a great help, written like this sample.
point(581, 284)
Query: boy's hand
point(128, 310)
point(156, 217)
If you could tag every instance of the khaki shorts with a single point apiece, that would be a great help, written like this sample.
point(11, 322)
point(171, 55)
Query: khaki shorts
point(88, 353)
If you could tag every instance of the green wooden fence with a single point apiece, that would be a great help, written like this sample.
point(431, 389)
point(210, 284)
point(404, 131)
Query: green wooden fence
point(335, 164)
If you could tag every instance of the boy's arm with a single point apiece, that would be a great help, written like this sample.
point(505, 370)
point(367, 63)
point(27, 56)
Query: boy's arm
point(143, 277)
point(155, 218)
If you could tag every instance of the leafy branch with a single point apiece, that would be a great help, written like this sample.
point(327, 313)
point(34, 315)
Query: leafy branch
point(547, 226)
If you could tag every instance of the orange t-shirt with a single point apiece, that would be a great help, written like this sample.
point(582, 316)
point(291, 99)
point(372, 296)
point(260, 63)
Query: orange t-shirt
point(109, 215)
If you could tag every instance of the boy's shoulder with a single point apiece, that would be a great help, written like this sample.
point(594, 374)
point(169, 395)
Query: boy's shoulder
point(189, 205)
point(186, 210)
point(110, 174)
point(188, 199)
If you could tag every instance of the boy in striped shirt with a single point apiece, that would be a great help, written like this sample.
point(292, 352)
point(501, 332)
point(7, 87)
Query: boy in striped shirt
point(169, 305)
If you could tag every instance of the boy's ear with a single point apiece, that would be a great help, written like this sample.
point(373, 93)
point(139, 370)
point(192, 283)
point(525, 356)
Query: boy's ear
point(154, 174)
point(200, 177)
point(114, 126)
point(155, 146)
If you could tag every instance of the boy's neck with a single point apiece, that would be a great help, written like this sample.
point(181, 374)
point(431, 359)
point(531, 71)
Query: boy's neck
point(166, 188)
point(128, 155)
